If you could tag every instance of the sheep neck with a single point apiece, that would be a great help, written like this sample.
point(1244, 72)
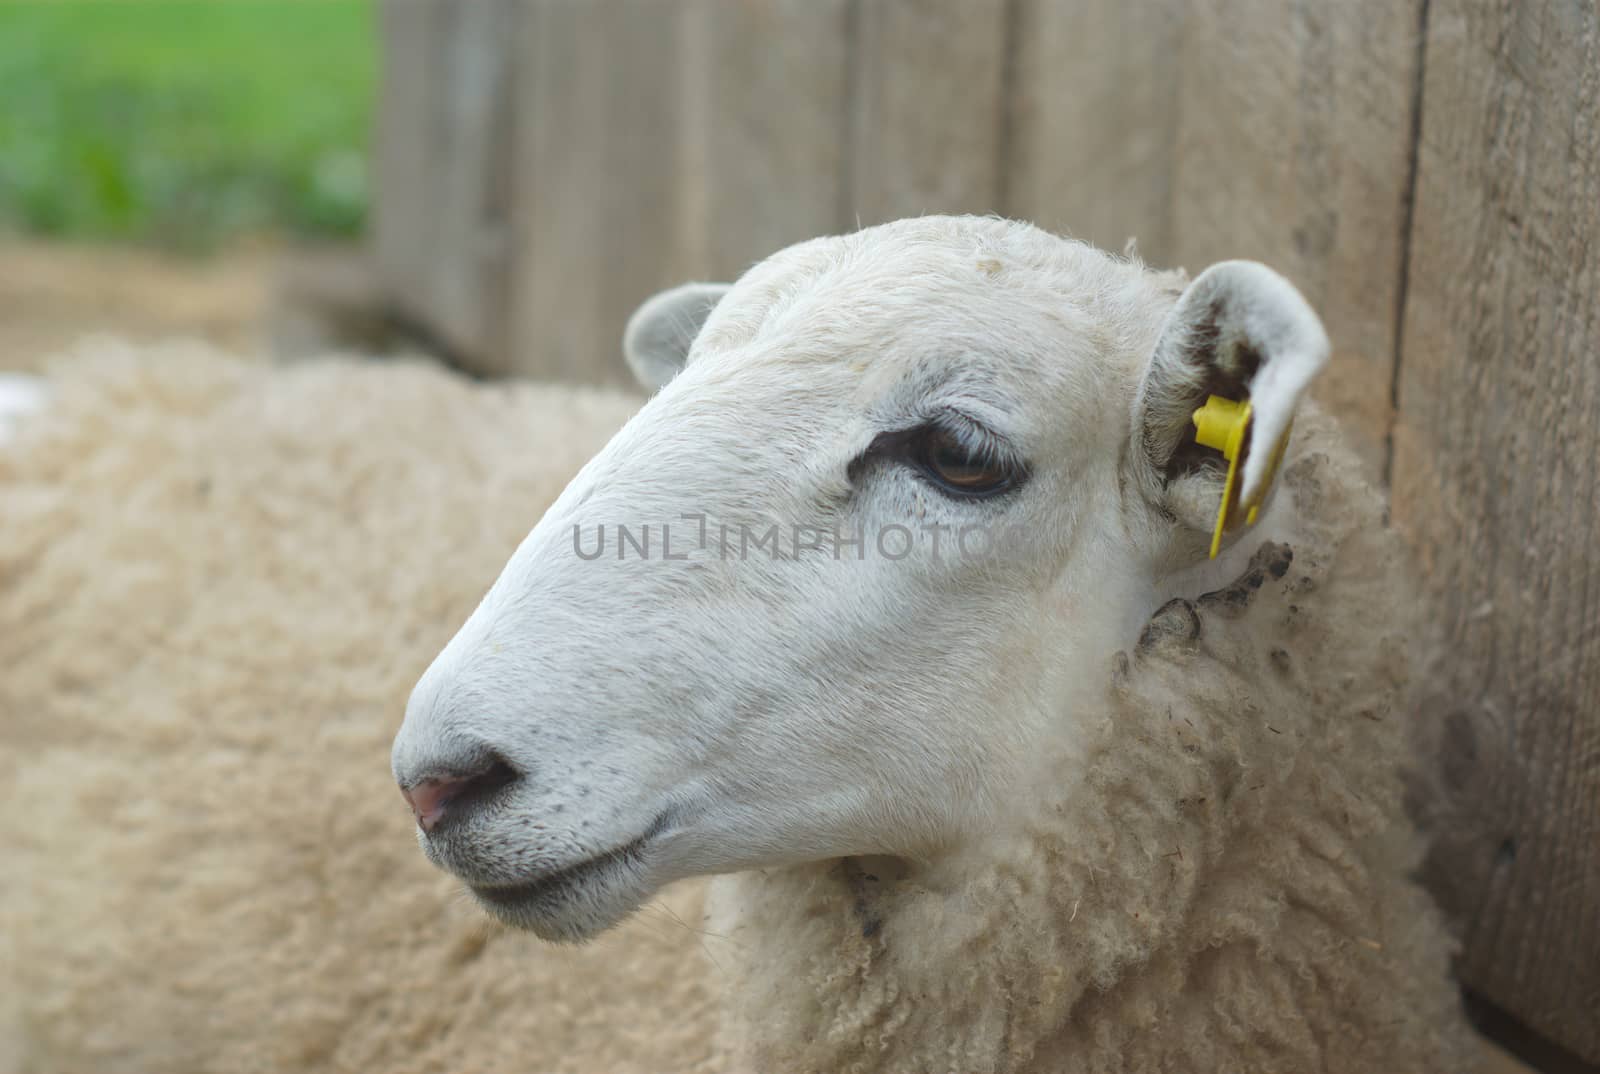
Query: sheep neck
point(1226, 875)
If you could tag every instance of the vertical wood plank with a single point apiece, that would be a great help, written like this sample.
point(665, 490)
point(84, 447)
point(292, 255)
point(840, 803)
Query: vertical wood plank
point(597, 143)
point(929, 112)
point(471, 154)
point(1497, 478)
point(661, 142)
point(1094, 120)
point(401, 218)
point(443, 150)
point(1294, 149)
point(1212, 129)
point(763, 150)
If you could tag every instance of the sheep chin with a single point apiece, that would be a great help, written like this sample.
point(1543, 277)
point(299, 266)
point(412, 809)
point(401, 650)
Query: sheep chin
point(572, 909)
point(579, 901)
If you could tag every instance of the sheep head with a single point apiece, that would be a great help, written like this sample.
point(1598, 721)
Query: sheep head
point(851, 576)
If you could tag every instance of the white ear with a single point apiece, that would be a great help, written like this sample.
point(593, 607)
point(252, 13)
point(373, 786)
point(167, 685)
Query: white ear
point(1240, 331)
point(660, 332)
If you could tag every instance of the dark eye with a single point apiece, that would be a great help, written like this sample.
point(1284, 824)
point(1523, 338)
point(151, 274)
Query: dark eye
point(956, 455)
point(958, 466)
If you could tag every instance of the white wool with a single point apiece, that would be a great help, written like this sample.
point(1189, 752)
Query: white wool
point(218, 582)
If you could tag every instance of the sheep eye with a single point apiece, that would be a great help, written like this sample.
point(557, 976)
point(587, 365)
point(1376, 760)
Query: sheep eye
point(955, 467)
point(953, 453)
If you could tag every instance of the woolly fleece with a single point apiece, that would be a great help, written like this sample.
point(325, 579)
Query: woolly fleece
point(218, 583)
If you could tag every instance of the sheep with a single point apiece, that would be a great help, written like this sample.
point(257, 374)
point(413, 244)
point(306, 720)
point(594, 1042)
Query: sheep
point(218, 582)
point(1074, 798)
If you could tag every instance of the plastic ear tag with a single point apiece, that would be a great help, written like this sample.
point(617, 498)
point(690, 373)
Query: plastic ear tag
point(1224, 425)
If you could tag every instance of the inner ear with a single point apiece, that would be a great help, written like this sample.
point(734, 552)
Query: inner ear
point(1240, 331)
point(659, 334)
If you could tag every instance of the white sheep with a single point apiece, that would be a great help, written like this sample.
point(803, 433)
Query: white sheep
point(218, 582)
point(967, 830)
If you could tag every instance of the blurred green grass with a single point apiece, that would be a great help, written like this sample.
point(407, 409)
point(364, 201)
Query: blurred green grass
point(184, 122)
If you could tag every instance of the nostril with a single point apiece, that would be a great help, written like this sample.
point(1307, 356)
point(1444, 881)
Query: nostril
point(433, 798)
point(491, 779)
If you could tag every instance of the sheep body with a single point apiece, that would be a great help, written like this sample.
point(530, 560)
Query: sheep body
point(217, 583)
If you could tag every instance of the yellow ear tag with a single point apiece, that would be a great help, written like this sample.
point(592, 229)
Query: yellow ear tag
point(1224, 425)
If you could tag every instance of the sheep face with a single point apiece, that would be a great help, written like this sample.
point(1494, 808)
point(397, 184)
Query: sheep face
point(846, 577)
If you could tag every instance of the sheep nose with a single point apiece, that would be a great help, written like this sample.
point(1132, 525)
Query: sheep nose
point(433, 798)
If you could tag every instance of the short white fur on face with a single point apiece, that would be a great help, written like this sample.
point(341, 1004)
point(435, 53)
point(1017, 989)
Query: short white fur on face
point(803, 646)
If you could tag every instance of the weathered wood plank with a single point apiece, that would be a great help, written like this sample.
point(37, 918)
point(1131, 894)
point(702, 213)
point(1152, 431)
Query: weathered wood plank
point(438, 229)
point(402, 220)
point(1496, 479)
point(597, 142)
point(1233, 128)
point(657, 144)
point(1293, 149)
point(1093, 120)
point(471, 160)
point(928, 117)
point(764, 153)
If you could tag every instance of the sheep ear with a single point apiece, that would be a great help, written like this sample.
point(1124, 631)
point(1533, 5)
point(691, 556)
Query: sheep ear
point(660, 332)
point(1240, 331)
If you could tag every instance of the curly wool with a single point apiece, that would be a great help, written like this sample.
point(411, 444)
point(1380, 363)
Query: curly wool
point(218, 584)
point(1230, 889)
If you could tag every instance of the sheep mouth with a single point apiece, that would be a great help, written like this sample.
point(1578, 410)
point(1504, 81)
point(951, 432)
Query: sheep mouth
point(527, 903)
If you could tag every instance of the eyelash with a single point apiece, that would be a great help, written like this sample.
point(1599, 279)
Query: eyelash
point(983, 447)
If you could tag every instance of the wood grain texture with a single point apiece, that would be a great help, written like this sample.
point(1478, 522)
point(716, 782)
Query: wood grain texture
point(595, 219)
point(470, 161)
point(1093, 119)
point(928, 116)
point(662, 142)
point(440, 212)
point(764, 155)
point(1293, 149)
point(402, 230)
point(1215, 129)
point(1495, 479)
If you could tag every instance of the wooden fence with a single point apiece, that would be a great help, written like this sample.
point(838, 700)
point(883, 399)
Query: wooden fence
point(1428, 171)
